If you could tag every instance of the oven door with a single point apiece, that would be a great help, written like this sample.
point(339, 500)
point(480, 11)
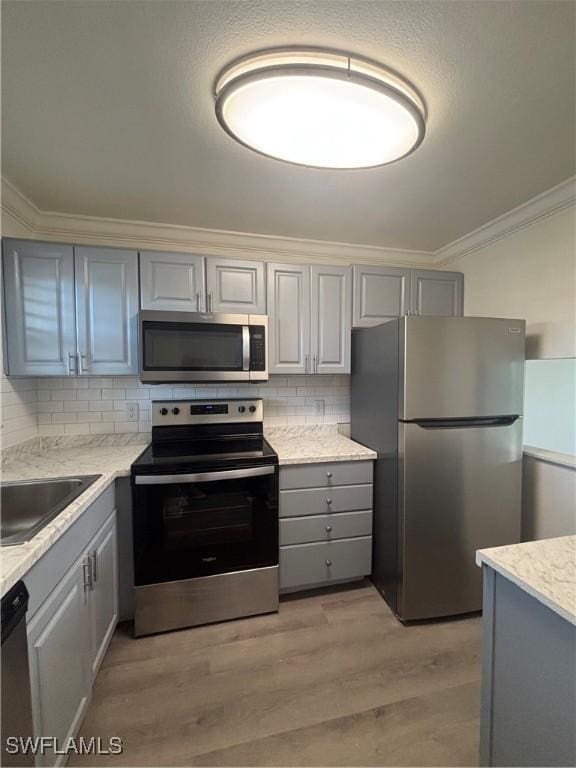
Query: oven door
point(185, 346)
point(201, 524)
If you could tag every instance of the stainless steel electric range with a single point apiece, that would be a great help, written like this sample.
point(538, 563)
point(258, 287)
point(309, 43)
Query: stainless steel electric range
point(205, 516)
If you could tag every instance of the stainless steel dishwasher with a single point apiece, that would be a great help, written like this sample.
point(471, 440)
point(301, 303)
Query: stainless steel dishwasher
point(16, 702)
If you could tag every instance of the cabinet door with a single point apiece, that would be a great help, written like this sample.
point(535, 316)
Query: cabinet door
point(39, 305)
point(103, 556)
point(289, 318)
point(236, 286)
point(172, 281)
point(331, 319)
point(107, 310)
point(58, 648)
point(433, 292)
point(380, 293)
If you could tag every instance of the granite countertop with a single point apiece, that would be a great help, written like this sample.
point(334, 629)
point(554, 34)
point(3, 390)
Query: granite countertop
point(315, 444)
point(108, 455)
point(112, 455)
point(545, 569)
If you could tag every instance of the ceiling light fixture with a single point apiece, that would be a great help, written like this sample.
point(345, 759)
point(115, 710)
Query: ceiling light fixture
point(320, 108)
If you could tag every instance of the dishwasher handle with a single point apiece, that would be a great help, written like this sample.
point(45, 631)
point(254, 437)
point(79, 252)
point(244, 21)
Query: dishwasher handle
point(14, 607)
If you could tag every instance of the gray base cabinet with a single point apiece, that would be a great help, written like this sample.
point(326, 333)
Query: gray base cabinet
point(325, 524)
point(73, 613)
point(528, 710)
point(383, 293)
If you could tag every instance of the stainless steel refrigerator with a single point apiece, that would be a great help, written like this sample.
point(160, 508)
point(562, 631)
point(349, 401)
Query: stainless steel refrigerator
point(440, 399)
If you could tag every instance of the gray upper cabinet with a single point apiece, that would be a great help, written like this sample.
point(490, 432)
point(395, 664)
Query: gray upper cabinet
point(107, 310)
point(434, 292)
point(235, 286)
point(39, 307)
point(172, 281)
point(331, 318)
point(288, 318)
point(380, 293)
point(70, 310)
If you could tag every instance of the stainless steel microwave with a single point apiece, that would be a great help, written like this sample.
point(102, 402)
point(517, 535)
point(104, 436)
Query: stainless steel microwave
point(202, 346)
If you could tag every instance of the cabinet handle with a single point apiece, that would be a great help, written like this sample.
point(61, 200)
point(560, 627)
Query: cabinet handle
point(82, 365)
point(328, 501)
point(328, 563)
point(210, 302)
point(87, 571)
point(198, 307)
point(94, 562)
point(328, 528)
point(72, 356)
point(328, 475)
point(315, 365)
point(306, 359)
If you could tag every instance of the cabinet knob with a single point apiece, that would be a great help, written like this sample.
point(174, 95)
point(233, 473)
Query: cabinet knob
point(328, 563)
point(328, 501)
point(328, 475)
point(328, 528)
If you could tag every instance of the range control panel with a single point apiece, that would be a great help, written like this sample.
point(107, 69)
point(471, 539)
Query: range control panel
point(174, 412)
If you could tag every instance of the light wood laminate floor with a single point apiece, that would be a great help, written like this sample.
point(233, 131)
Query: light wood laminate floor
point(332, 679)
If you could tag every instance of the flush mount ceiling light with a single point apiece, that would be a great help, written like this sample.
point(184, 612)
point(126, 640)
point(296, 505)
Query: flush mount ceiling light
point(320, 108)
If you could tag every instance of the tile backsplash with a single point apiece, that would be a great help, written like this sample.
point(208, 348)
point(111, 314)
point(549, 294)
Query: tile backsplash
point(18, 410)
point(97, 405)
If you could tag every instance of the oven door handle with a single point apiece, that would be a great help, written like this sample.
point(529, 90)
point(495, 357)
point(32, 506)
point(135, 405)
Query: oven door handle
point(203, 477)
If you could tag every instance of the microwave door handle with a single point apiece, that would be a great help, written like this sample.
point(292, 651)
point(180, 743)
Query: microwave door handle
point(245, 348)
point(203, 477)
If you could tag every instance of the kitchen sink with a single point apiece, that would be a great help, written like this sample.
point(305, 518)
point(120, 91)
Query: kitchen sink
point(27, 506)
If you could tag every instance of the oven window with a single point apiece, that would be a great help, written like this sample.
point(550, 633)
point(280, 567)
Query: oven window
point(198, 529)
point(192, 347)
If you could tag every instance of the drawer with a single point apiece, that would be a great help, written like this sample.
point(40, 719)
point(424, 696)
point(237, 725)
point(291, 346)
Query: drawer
point(321, 475)
point(322, 501)
point(302, 530)
point(316, 564)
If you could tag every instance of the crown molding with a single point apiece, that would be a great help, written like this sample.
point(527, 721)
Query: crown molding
point(28, 220)
point(92, 230)
point(546, 204)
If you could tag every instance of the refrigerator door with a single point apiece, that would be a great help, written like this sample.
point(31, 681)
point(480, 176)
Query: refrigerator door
point(459, 491)
point(460, 366)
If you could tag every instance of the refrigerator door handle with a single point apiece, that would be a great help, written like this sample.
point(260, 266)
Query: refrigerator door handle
point(466, 422)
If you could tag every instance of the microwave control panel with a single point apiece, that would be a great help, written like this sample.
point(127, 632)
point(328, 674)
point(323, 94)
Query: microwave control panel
point(257, 348)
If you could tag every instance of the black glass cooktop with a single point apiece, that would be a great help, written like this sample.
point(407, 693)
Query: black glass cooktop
point(205, 453)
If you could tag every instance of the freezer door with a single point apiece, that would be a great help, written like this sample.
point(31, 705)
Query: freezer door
point(461, 366)
point(459, 491)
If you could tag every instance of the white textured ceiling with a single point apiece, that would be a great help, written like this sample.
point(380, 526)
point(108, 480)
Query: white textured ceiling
point(108, 111)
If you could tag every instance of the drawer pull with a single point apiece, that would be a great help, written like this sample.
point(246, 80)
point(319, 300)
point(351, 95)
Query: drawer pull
point(328, 501)
point(328, 528)
point(328, 475)
point(328, 563)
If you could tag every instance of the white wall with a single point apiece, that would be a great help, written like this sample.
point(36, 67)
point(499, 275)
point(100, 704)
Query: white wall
point(550, 405)
point(548, 499)
point(531, 274)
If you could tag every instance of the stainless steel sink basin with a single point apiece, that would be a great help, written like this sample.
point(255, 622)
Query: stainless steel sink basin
point(27, 506)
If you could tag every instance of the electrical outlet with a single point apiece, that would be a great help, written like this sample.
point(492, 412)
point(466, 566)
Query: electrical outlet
point(319, 407)
point(131, 411)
